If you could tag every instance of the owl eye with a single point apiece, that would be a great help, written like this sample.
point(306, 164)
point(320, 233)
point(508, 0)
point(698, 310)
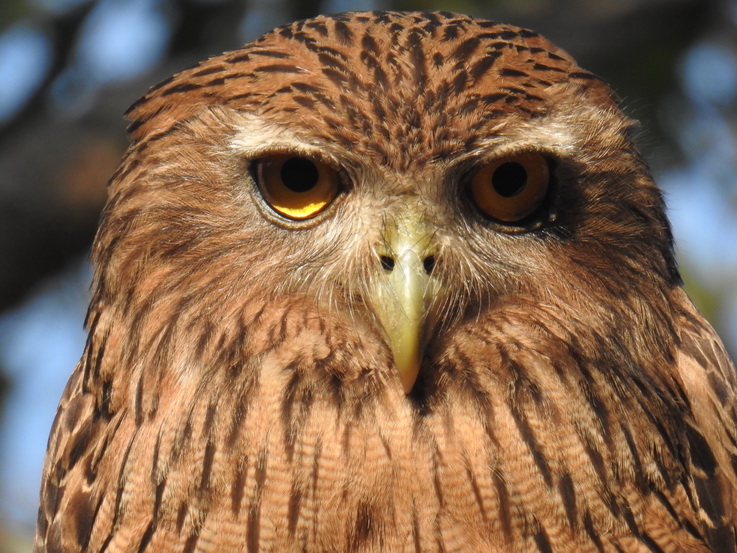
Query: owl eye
point(511, 188)
point(294, 186)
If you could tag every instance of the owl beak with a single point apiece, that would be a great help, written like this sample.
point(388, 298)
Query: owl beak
point(403, 292)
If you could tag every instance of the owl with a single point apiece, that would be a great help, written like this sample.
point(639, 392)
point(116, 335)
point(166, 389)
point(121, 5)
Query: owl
point(390, 282)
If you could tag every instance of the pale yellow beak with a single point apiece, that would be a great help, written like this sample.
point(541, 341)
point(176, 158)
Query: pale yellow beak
point(403, 292)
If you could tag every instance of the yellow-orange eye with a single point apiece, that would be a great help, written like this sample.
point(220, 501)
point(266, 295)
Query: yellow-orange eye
point(295, 186)
point(511, 188)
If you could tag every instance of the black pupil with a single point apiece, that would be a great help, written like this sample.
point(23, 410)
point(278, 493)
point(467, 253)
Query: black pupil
point(299, 174)
point(509, 179)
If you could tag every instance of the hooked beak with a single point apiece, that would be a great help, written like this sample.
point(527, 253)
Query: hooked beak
point(403, 291)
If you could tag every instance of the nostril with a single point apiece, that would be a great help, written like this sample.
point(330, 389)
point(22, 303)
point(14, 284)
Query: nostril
point(387, 262)
point(429, 263)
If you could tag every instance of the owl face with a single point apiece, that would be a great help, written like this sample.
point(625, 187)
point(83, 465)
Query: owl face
point(439, 171)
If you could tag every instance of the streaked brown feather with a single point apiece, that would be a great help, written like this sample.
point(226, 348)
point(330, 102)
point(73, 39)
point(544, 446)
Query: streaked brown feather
point(710, 381)
point(236, 393)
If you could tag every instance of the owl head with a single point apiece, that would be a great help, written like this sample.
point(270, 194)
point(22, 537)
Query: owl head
point(398, 178)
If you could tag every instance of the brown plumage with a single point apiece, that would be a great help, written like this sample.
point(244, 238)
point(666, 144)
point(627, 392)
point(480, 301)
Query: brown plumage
point(390, 282)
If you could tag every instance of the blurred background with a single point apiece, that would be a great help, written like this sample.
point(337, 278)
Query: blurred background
point(69, 68)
